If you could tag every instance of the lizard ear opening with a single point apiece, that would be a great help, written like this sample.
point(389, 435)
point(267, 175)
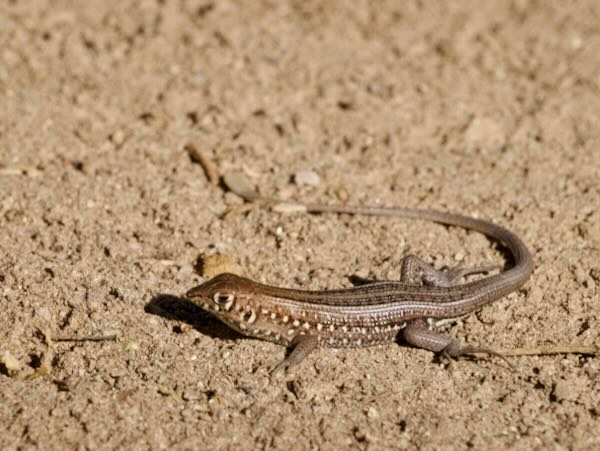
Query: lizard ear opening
point(224, 300)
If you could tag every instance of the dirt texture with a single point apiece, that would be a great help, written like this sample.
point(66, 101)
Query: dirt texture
point(486, 108)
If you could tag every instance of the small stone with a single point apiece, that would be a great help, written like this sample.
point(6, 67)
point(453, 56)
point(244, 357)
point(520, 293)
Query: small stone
point(132, 346)
point(43, 312)
point(9, 365)
point(118, 137)
point(212, 265)
point(185, 270)
point(565, 391)
point(307, 178)
point(342, 194)
point(373, 413)
point(363, 273)
point(189, 395)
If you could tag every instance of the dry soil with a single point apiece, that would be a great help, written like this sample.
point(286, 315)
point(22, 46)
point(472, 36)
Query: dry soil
point(485, 108)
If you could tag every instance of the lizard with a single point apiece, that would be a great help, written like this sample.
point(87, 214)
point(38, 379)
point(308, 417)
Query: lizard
point(373, 313)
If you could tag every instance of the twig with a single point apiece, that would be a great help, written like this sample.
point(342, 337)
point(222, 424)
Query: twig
point(211, 171)
point(551, 350)
point(111, 337)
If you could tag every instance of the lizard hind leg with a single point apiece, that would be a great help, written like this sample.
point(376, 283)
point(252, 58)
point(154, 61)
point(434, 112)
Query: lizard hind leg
point(416, 271)
point(419, 335)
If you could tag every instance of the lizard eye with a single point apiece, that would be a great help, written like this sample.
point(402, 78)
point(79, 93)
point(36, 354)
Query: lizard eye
point(224, 300)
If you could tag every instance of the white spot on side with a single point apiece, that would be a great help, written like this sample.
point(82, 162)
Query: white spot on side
point(273, 315)
point(291, 331)
point(331, 328)
point(296, 323)
point(285, 319)
point(306, 325)
point(319, 327)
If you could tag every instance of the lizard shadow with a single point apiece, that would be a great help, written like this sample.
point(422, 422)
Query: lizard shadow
point(179, 309)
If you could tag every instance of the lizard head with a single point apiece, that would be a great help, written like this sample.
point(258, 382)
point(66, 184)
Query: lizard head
point(220, 295)
point(234, 300)
point(230, 298)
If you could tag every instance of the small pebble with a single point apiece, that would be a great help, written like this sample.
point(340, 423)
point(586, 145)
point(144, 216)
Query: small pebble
point(363, 273)
point(342, 194)
point(213, 265)
point(307, 178)
point(131, 346)
point(118, 137)
point(185, 270)
point(189, 395)
point(240, 185)
point(44, 314)
point(565, 391)
point(11, 364)
point(373, 413)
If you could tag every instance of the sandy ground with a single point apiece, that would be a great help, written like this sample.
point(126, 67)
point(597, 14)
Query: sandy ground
point(485, 108)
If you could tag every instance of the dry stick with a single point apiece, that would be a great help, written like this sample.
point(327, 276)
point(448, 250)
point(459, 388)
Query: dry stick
point(13, 171)
point(551, 350)
point(45, 367)
point(211, 171)
point(238, 184)
point(111, 337)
